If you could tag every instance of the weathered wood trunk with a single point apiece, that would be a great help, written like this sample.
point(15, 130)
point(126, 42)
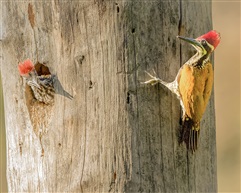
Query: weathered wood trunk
point(3, 181)
point(116, 135)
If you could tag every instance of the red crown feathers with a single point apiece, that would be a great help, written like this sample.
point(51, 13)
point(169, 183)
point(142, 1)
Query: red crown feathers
point(212, 37)
point(25, 67)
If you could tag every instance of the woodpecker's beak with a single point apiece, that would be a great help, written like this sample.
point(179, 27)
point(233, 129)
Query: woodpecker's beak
point(195, 43)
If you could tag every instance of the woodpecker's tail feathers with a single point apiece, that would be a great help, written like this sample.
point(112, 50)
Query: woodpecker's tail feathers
point(190, 133)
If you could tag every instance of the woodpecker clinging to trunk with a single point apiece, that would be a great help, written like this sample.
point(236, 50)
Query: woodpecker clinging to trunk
point(193, 85)
point(43, 86)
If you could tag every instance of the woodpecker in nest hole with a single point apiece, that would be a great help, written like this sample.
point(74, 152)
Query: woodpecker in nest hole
point(193, 86)
point(44, 87)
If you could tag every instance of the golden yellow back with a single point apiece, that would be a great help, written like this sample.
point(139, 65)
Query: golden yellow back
point(195, 87)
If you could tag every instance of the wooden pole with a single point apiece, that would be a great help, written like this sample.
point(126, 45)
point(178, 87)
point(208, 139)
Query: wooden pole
point(116, 135)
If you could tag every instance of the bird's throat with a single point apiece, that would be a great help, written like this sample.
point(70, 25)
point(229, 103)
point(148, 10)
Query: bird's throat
point(198, 60)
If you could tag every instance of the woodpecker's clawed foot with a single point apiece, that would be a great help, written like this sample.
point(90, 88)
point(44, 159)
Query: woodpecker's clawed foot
point(153, 81)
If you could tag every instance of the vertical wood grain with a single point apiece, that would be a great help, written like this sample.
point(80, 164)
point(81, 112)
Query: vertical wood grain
point(116, 135)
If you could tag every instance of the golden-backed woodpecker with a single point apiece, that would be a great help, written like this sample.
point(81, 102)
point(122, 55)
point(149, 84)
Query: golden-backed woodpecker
point(193, 86)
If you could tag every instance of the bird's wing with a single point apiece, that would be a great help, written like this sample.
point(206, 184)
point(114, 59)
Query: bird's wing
point(195, 86)
point(208, 84)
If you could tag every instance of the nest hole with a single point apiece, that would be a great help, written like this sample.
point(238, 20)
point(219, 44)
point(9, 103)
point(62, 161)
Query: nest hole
point(41, 69)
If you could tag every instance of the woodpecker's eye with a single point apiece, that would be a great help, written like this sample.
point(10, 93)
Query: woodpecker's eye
point(203, 42)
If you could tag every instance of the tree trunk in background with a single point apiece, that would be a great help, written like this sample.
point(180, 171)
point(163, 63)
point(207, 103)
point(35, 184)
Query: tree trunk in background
point(116, 135)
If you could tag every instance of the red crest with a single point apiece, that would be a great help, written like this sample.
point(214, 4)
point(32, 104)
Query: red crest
point(25, 67)
point(212, 37)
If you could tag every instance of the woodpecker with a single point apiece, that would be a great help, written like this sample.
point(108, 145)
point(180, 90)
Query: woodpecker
point(193, 86)
point(43, 86)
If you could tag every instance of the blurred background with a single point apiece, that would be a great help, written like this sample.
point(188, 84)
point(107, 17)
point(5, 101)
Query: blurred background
point(226, 20)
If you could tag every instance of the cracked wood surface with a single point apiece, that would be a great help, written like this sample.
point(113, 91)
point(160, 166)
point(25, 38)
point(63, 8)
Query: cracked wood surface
point(116, 135)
